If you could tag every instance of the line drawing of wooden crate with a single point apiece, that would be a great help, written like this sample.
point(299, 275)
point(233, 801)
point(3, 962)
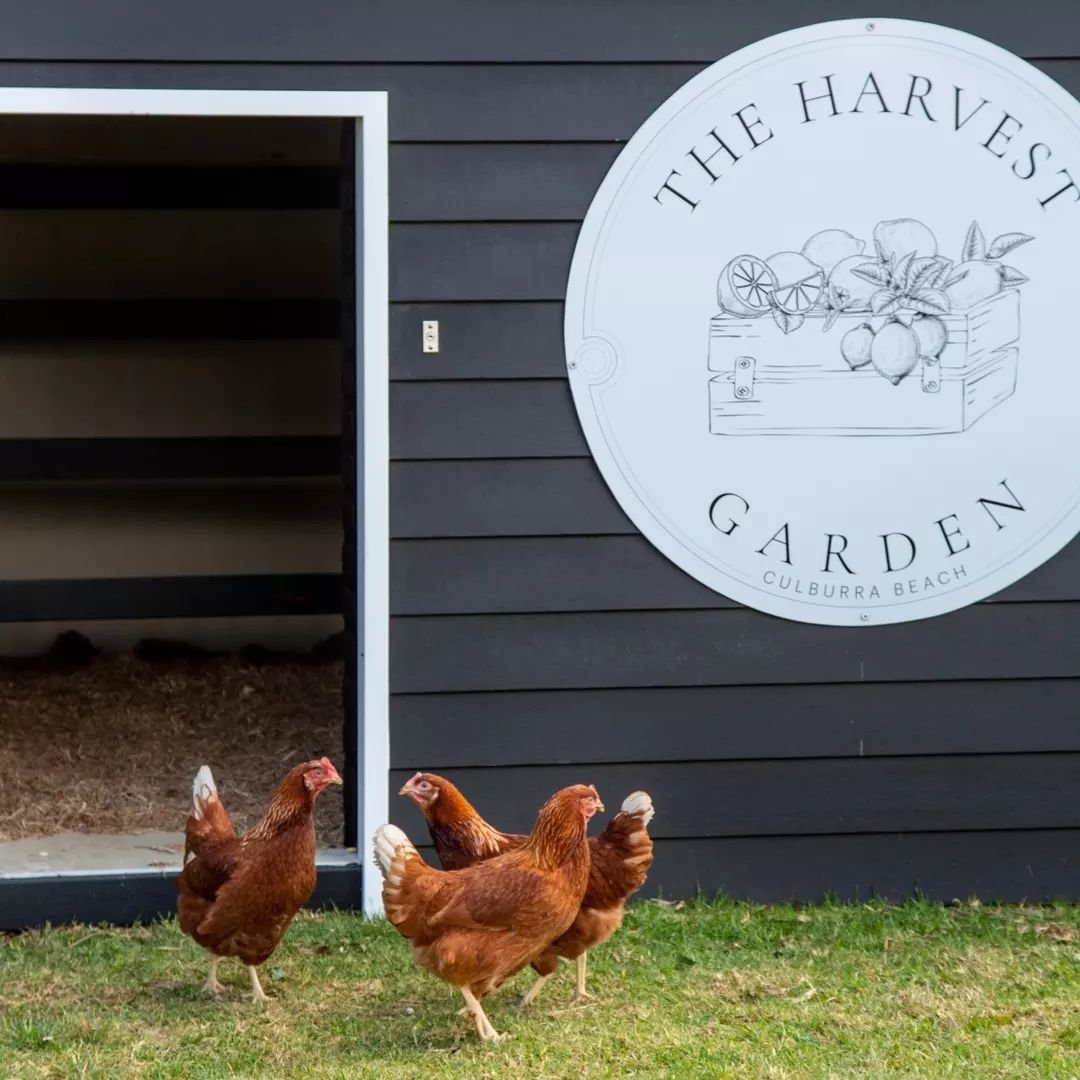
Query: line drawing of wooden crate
point(769, 383)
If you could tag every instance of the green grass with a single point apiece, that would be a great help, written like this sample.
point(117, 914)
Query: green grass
point(696, 990)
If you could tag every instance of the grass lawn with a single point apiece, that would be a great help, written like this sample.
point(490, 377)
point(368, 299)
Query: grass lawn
point(696, 990)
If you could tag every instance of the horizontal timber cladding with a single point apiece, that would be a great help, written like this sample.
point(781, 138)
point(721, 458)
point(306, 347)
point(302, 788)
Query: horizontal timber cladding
point(798, 797)
point(725, 648)
point(434, 30)
point(537, 639)
point(436, 102)
point(590, 573)
point(1012, 866)
point(717, 723)
point(1024, 865)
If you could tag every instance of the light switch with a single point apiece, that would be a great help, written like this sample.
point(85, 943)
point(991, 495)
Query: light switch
point(431, 335)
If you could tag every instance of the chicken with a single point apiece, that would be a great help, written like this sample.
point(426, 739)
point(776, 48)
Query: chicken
point(620, 859)
point(237, 895)
point(476, 927)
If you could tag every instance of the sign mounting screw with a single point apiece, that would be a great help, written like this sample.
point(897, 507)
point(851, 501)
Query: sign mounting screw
point(431, 335)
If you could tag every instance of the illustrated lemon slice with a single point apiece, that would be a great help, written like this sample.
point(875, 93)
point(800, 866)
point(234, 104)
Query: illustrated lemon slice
point(800, 284)
point(745, 285)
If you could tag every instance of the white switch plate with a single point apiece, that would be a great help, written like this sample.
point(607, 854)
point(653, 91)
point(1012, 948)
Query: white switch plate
point(431, 335)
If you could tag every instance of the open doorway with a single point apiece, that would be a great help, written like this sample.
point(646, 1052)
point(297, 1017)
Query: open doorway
point(193, 535)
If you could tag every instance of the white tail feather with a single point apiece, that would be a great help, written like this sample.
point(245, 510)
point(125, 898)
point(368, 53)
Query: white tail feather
point(388, 839)
point(639, 802)
point(203, 787)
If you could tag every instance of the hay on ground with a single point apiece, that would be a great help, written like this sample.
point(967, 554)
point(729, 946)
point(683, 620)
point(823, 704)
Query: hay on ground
point(111, 745)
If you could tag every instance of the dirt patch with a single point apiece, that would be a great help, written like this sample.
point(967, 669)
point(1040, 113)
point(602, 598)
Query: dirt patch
point(110, 744)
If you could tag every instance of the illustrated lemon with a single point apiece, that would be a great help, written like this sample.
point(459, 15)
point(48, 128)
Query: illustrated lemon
point(895, 351)
point(980, 281)
point(800, 284)
point(854, 290)
point(931, 332)
point(856, 345)
point(745, 285)
point(830, 246)
point(902, 236)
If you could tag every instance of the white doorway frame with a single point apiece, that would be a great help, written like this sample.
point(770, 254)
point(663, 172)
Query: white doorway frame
point(369, 111)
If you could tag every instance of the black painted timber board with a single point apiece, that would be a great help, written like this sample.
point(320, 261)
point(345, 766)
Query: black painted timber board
point(516, 575)
point(471, 30)
point(440, 102)
point(502, 498)
point(497, 419)
point(696, 799)
point(1034, 866)
point(725, 648)
point(723, 723)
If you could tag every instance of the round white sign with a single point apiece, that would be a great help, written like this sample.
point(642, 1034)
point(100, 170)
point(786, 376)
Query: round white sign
point(820, 323)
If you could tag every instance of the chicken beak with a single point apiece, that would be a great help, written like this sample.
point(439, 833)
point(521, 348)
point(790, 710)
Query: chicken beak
point(407, 787)
point(599, 807)
point(332, 775)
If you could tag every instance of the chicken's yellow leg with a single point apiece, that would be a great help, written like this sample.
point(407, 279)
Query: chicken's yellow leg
point(535, 989)
point(257, 994)
point(484, 1027)
point(212, 986)
point(581, 995)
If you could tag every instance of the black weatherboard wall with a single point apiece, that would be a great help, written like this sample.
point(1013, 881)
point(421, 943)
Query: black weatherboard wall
point(536, 639)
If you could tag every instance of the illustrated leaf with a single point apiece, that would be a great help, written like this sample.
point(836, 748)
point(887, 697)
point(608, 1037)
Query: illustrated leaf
point(1007, 242)
point(929, 302)
point(922, 270)
point(949, 282)
point(881, 256)
point(883, 302)
point(974, 244)
point(945, 264)
point(872, 272)
point(830, 319)
point(903, 270)
point(1011, 276)
point(787, 323)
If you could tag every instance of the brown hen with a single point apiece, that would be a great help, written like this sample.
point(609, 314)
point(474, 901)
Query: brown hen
point(476, 927)
point(620, 858)
point(237, 895)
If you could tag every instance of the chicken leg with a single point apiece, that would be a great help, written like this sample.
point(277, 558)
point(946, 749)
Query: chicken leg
point(533, 990)
point(212, 986)
point(484, 1026)
point(581, 995)
point(258, 996)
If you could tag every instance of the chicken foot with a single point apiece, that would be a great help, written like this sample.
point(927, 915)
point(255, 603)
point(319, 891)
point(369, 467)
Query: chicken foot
point(581, 995)
point(258, 995)
point(212, 986)
point(484, 1026)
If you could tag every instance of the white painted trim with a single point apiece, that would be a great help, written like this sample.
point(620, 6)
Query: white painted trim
point(369, 109)
point(373, 446)
point(85, 101)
